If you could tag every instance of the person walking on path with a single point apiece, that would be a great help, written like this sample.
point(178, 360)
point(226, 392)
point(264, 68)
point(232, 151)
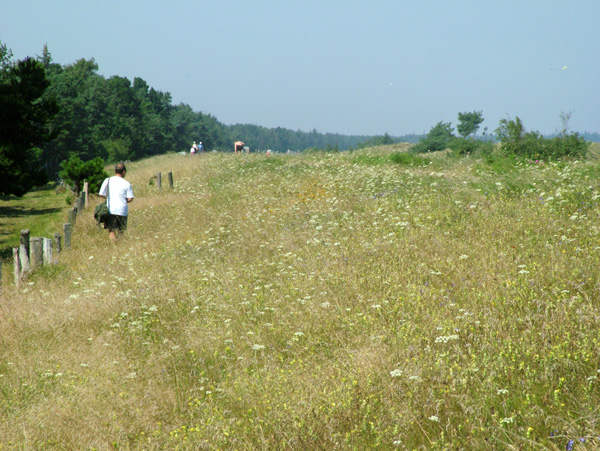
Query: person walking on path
point(119, 193)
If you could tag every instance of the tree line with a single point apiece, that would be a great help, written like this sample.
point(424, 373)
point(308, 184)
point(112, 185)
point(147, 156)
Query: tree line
point(69, 120)
point(56, 117)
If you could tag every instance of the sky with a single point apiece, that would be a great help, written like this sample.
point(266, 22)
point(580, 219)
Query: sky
point(338, 66)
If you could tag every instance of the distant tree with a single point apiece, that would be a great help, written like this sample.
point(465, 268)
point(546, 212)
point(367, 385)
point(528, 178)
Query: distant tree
point(25, 114)
point(437, 139)
point(81, 123)
point(468, 123)
point(376, 141)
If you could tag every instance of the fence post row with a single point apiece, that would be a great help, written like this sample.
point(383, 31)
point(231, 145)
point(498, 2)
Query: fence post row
point(34, 252)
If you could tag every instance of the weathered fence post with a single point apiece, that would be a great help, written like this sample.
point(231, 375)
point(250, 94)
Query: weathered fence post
point(67, 230)
point(17, 260)
point(79, 203)
point(159, 180)
point(24, 251)
point(37, 252)
point(24, 262)
point(57, 244)
point(170, 178)
point(86, 194)
point(72, 214)
point(47, 248)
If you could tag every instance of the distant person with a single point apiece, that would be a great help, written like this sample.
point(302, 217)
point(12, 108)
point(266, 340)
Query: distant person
point(194, 148)
point(238, 146)
point(200, 147)
point(119, 193)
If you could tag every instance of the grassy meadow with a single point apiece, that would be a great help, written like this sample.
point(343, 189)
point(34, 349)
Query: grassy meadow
point(43, 211)
point(355, 300)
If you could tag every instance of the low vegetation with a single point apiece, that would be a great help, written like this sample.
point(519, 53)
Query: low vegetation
point(340, 300)
point(43, 211)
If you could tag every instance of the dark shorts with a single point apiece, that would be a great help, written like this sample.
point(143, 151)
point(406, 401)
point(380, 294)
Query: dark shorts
point(116, 223)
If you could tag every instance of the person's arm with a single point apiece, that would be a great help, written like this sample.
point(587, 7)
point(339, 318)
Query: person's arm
point(103, 189)
point(129, 199)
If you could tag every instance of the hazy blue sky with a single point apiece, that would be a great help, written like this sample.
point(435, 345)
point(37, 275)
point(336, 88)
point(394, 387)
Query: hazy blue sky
point(345, 66)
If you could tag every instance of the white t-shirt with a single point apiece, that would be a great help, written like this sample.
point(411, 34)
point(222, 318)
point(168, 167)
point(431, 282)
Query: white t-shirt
point(120, 191)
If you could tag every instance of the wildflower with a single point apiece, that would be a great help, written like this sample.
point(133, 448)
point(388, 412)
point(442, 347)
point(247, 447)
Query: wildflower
point(570, 445)
point(396, 373)
point(257, 347)
point(434, 418)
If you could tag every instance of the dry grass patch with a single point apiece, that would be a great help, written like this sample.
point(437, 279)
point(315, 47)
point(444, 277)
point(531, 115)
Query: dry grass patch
point(316, 302)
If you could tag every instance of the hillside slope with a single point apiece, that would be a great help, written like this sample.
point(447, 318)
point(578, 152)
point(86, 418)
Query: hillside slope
point(316, 302)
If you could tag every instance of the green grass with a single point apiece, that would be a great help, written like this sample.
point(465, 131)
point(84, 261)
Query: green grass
point(42, 211)
point(321, 301)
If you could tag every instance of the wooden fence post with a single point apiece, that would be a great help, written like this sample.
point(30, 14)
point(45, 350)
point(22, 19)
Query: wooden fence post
point(86, 194)
point(159, 180)
point(67, 230)
point(24, 262)
point(37, 252)
point(170, 178)
point(57, 244)
point(47, 251)
point(17, 260)
point(24, 252)
point(72, 214)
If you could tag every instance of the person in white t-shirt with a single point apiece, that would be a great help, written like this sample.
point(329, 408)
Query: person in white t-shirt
point(119, 193)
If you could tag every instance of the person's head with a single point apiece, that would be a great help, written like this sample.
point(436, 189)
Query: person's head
point(120, 169)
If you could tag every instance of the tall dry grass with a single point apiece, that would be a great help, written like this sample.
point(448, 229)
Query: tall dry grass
point(317, 302)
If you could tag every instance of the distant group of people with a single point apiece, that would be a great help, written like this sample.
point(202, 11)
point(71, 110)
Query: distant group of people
point(238, 146)
point(196, 148)
point(118, 193)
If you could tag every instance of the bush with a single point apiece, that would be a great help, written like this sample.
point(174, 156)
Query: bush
point(516, 141)
point(567, 145)
point(409, 159)
point(437, 139)
point(468, 146)
point(75, 171)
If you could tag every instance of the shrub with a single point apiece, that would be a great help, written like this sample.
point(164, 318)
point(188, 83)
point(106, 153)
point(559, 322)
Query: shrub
point(567, 145)
point(75, 171)
point(437, 139)
point(409, 159)
point(467, 146)
point(516, 141)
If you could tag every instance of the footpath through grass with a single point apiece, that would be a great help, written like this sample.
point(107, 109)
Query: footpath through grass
point(324, 301)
